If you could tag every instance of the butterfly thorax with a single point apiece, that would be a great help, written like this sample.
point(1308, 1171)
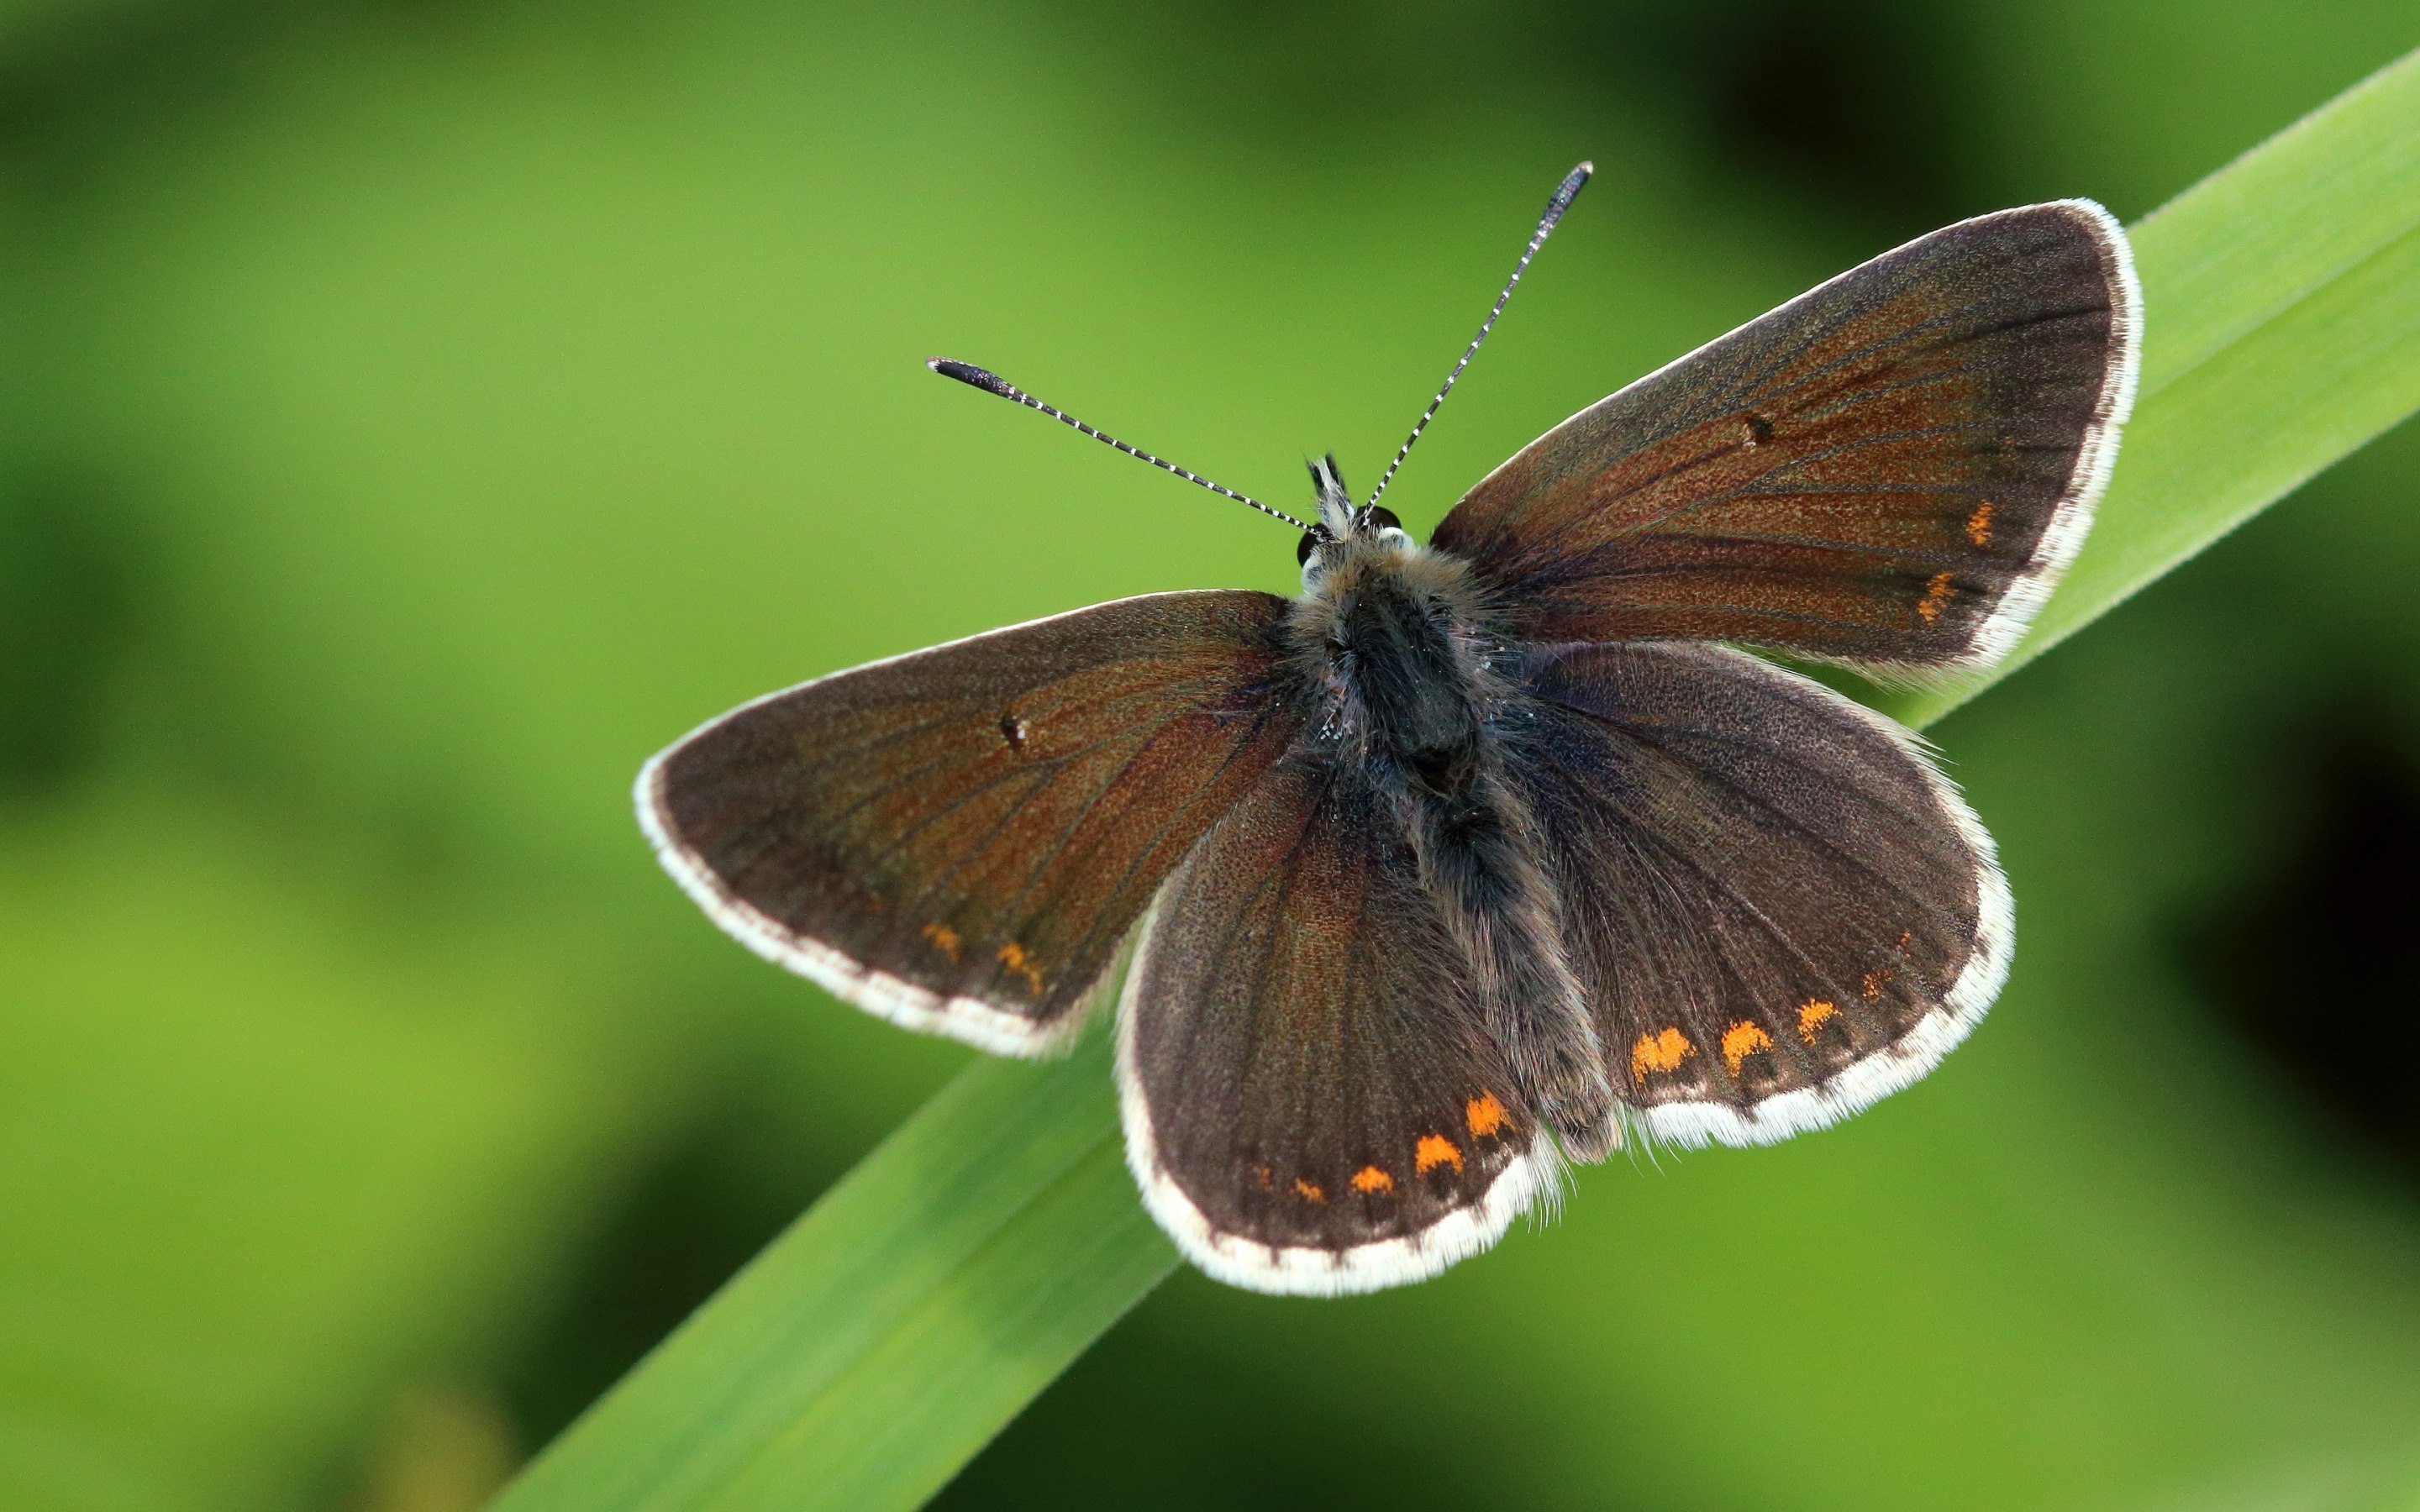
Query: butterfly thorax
point(1396, 655)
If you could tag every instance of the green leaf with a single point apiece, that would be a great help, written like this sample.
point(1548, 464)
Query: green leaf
point(878, 1346)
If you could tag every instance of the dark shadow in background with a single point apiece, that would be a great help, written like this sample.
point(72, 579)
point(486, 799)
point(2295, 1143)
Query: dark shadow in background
point(691, 1218)
point(1141, 1421)
point(2312, 963)
point(1841, 101)
point(1851, 105)
point(73, 570)
point(677, 1234)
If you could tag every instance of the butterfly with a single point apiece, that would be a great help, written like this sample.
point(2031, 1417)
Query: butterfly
point(1491, 854)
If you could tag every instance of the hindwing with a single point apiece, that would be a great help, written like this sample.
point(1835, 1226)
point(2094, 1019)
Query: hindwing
point(1312, 1100)
point(1780, 911)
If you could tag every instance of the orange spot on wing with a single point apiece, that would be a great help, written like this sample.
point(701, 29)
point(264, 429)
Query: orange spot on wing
point(1484, 1115)
point(1875, 982)
point(1369, 1179)
point(1659, 1053)
point(1015, 957)
point(1742, 1039)
point(1261, 1176)
point(1812, 1014)
point(945, 940)
point(1435, 1151)
point(1979, 525)
point(1936, 594)
point(1309, 1189)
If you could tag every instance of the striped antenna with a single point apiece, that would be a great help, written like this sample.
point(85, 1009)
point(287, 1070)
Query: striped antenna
point(1564, 194)
point(991, 382)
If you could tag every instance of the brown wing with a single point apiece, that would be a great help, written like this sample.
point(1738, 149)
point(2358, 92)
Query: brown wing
point(1780, 911)
point(1311, 1101)
point(960, 839)
point(1891, 469)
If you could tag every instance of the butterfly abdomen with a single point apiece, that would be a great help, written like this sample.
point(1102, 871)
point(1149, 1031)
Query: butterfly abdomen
point(1394, 649)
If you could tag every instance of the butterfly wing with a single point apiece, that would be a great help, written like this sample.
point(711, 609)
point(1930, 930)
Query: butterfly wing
point(1311, 1105)
point(1780, 910)
point(961, 839)
point(1891, 469)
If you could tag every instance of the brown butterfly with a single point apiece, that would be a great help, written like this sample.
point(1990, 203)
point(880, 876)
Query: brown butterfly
point(1485, 854)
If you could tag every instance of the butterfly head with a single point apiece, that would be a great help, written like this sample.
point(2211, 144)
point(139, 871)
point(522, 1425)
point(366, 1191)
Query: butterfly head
point(1342, 528)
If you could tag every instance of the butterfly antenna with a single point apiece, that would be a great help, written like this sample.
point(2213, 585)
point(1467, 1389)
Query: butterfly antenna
point(1564, 194)
point(991, 382)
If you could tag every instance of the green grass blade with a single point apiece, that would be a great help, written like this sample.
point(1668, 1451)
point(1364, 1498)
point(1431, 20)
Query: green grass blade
point(878, 1345)
point(883, 1340)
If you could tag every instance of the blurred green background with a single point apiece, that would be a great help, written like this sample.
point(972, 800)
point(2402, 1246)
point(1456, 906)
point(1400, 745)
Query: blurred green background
point(417, 412)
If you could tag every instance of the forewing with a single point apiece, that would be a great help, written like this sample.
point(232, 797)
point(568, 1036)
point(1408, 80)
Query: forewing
point(1310, 1103)
point(1780, 910)
point(960, 839)
point(1891, 469)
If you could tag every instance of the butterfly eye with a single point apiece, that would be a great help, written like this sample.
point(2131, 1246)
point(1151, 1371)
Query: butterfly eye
point(1302, 552)
point(1379, 518)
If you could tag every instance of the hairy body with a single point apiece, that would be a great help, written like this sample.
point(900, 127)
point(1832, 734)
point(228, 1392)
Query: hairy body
point(1405, 681)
